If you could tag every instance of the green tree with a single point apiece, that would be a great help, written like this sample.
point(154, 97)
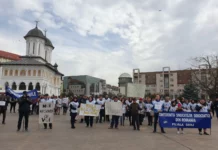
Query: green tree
point(190, 92)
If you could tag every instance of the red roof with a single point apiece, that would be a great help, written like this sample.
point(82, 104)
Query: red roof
point(8, 55)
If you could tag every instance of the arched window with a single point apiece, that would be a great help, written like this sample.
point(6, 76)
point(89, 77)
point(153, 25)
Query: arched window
point(30, 87)
point(14, 86)
point(33, 48)
point(16, 72)
point(22, 86)
point(39, 73)
point(29, 72)
point(34, 72)
point(39, 50)
point(54, 81)
point(11, 72)
point(6, 84)
point(28, 49)
point(22, 73)
point(6, 72)
point(38, 86)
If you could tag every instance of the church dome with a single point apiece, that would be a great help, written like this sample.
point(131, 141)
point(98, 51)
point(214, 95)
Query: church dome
point(48, 42)
point(125, 75)
point(35, 33)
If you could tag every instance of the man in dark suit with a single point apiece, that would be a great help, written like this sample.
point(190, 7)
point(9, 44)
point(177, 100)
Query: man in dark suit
point(3, 107)
point(24, 110)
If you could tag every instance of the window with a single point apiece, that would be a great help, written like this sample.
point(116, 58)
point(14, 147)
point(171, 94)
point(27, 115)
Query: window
point(37, 86)
point(39, 73)
point(171, 80)
point(161, 75)
point(22, 73)
point(29, 72)
point(171, 74)
point(39, 50)
point(16, 72)
point(14, 86)
point(11, 73)
point(140, 81)
point(30, 87)
point(22, 86)
point(161, 85)
point(33, 48)
point(140, 76)
point(6, 72)
point(34, 73)
point(171, 85)
point(161, 80)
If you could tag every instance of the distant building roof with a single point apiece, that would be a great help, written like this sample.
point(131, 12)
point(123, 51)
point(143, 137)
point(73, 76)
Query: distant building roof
point(125, 75)
point(10, 56)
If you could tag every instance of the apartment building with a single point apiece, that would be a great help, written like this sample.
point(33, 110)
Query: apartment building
point(167, 81)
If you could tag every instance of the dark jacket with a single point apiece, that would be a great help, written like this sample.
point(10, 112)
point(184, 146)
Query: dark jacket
point(134, 108)
point(24, 104)
point(6, 99)
point(215, 105)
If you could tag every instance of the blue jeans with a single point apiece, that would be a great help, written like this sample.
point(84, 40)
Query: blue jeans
point(122, 119)
point(114, 121)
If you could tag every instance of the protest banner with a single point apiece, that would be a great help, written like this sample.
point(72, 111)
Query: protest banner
point(89, 110)
point(135, 90)
point(185, 120)
point(33, 94)
point(2, 103)
point(113, 108)
point(46, 112)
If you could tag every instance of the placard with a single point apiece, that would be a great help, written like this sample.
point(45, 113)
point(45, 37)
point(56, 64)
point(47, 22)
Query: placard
point(113, 108)
point(46, 112)
point(89, 110)
point(2, 103)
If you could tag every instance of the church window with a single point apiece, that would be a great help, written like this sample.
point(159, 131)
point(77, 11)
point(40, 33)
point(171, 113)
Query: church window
point(34, 73)
point(28, 49)
point(30, 87)
point(16, 72)
point(29, 72)
point(22, 86)
point(22, 73)
point(39, 50)
point(11, 72)
point(6, 72)
point(54, 81)
point(38, 86)
point(33, 48)
point(39, 73)
point(14, 86)
point(45, 55)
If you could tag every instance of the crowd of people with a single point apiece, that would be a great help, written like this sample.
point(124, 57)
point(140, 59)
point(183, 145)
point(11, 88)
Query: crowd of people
point(134, 110)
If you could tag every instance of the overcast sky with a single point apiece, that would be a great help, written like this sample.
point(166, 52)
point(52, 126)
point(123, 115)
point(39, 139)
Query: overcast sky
point(104, 38)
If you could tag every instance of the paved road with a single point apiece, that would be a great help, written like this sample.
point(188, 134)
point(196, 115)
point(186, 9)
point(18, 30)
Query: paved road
point(99, 137)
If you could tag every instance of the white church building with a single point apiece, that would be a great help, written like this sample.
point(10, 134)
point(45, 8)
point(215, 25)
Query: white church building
point(34, 70)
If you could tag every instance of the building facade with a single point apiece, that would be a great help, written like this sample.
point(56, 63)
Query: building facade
point(165, 82)
point(34, 70)
point(124, 79)
point(84, 85)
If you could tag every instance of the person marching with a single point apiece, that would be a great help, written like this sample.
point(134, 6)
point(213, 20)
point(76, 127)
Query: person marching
point(89, 119)
point(128, 103)
point(192, 106)
point(82, 101)
point(3, 107)
point(24, 110)
point(202, 107)
point(134, 109)
point(215, 106)
point(158, 107)
point(59, 104)
point(122, 118)
point(65, 105)
point(148, 108)
point(166, 104)
point(115, 119)
point(185, 105)
point(73, 111)
point(47, 100)
point(13, 103)
point(101, 102)
point(107, 99)
point(141, 111)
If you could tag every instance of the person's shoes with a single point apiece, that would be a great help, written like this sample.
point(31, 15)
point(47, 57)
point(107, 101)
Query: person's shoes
point(116, 128)
point(134, 128)
point(3, 122)
point(91, 126)
point(45, 128)
point(138, 129)
point(26, 130)
point(178, 132)
point(200, 133)
point(73, 127)
point(154, 131)
point(50, 127)
point(205, 133)
point(87, 126)
point(18, 130)
point(163, 132)
point(110, 128)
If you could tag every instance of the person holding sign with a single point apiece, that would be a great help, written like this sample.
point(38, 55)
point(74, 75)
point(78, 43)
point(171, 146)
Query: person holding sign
point(101, 102)
point(73, 111)
point(47, 100)
point(134, 109)
point(89, 119)
point(3, 107)
point(24, 110)
point(202, 107)
point(115, 118)
point(158, 107)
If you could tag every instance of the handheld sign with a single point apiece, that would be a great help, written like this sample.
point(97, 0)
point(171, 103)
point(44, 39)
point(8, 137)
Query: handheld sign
point(2, 103)
point(46, 112)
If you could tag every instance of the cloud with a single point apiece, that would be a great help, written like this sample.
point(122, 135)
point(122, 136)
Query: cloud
point(106, 38)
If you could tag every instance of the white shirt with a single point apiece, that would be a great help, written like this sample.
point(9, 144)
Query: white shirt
point(75, 105)
point(92, 102)
point(101, 102)
point(166, 105)
point(65, 100)
point(47, 100)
